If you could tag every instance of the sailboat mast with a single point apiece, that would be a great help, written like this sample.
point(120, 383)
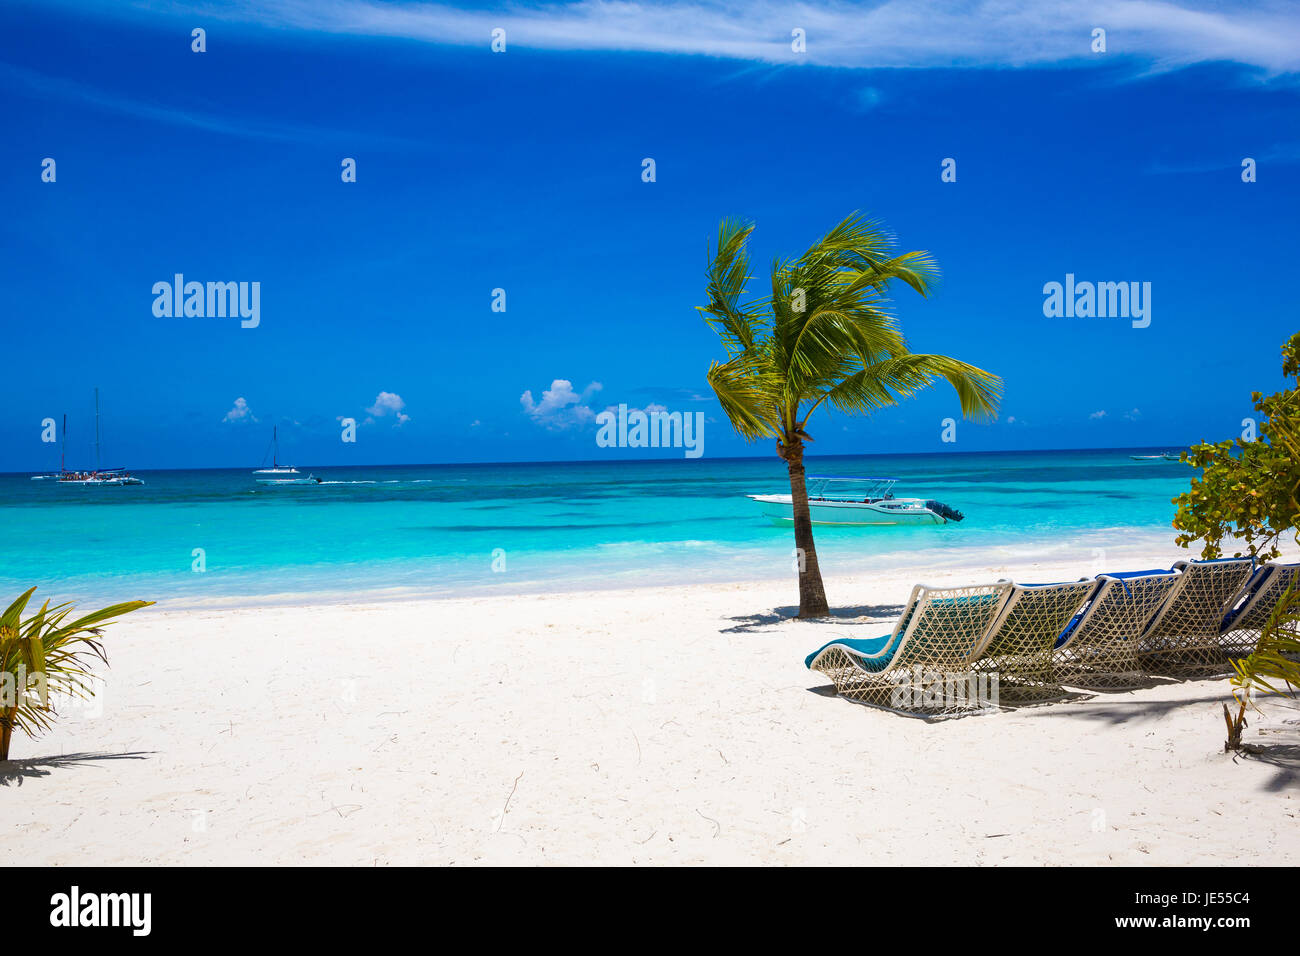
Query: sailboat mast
point(275, 447)
point(63, 444)
point(96, 429)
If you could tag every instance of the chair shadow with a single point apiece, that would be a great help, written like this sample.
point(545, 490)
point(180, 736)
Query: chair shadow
point(870, 613)
point(14, 772)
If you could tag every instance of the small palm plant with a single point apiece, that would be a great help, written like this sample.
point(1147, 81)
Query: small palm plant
point(1276, 659)
point(824, 336)
point(42, 652)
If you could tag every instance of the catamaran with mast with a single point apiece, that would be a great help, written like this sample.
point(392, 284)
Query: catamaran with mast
point(100, 475)
point(279, 474)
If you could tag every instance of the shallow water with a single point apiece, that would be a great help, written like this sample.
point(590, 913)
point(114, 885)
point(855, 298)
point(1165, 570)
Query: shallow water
point(438, 529)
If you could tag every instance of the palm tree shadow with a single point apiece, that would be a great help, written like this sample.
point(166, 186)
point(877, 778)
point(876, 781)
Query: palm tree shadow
point(858, 614)
point(1103, 706)
point(1285, 758)
point(14, 772)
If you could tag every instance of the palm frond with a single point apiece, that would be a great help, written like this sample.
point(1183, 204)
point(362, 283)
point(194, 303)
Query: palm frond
point(728, 275)
point(918, 269)
point(44, 645)
point(882, 384)
point(746, 396)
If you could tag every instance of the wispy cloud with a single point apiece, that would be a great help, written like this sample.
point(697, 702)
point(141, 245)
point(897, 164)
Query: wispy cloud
point(54, 87)
point(898, 33)
point(1282, 154)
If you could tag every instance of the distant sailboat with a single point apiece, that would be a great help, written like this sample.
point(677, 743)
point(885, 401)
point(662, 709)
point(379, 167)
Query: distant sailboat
point(100, 476)
point(279, 474)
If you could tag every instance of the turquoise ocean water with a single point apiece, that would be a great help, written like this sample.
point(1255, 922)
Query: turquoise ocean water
point(440, 529)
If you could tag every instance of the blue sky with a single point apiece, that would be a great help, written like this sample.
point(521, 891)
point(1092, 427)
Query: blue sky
point(522, 171)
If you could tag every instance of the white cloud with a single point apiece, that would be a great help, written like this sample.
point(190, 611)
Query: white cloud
point(1133, 415)
point(895, 33)
point(387, 403)
point(1100, 414)
point(561, 407)
point(240, 413)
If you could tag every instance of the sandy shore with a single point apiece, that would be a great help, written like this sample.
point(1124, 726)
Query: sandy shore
point(657, 725)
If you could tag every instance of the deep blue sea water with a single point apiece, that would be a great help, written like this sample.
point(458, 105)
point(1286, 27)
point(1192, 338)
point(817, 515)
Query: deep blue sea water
point(434, 529)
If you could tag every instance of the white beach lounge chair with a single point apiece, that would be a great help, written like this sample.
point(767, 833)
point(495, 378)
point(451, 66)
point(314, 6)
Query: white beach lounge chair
point(1099, 647)
point(1183, 637)
point(923, 667)
point(1022, 639)
point(1249, 612)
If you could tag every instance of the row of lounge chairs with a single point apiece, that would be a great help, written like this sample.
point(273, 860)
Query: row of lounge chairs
point(957, 650)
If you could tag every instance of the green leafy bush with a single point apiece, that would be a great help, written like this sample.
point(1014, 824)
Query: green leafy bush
point(1248, 489)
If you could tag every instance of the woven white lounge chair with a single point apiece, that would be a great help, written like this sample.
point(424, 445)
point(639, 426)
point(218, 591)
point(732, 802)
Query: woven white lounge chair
point(924, 666)
point(1247, 615)
point(1098, 648)
point(1022, 640)
point(1183, 637)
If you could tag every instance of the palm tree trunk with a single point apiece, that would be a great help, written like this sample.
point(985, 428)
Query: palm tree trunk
point(812, 594)
point(6, 730)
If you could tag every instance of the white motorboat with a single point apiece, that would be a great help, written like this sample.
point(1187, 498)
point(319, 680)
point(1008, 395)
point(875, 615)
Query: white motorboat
point(1166, 456)
point(857, 501)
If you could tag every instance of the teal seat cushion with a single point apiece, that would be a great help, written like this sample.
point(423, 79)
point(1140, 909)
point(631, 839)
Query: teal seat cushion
point(868, 646)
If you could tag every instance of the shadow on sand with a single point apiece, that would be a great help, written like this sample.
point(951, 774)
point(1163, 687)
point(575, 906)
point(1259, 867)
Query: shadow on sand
point(1107, 708)
point(861, 614)
point(14, 772)
point(1285, 758)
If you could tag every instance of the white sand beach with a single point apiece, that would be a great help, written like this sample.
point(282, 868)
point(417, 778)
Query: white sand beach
point(655, 725)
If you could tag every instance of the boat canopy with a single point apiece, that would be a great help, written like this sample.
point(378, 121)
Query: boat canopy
point(865, 487)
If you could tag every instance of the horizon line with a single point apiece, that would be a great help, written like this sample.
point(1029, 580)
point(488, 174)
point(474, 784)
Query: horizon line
point(664, 460)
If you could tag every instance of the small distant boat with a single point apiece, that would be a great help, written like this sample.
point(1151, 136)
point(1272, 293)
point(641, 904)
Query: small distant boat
point(1164, 456)
point(100, 476)
point(279, 474)
point(858, 501)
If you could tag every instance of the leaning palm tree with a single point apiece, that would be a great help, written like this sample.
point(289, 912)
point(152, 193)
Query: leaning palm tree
point(825, 336)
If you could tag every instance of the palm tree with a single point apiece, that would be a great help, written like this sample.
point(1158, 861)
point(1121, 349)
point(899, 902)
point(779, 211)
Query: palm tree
point(824, 336)
point(54, 654)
